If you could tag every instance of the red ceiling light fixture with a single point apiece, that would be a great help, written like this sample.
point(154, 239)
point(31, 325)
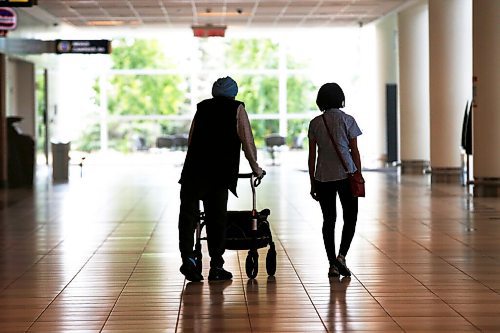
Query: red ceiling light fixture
point(209, 30)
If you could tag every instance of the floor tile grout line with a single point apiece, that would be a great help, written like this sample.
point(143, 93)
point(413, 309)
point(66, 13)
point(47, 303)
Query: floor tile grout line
point(415, 278)
point(74, 276)
point(244, 291)
point(180, 306)
point(468, 246)
point(135, 266)
point(438, 256)
point(302, 283)
point(33, 232)
point(31, 266)
point(457, 268)
point(43, 225)
point(312, 302)
point(435, 256)
point(81, 268)
point(375, 298)
point(244, 295)
point(28, 235)
point(120, 294)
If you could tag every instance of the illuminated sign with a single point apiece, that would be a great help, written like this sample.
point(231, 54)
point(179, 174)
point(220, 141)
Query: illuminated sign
point(17, 3)
point(8, 19)
point(83, 46)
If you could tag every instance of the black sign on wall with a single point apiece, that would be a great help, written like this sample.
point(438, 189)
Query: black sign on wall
point(391, 97)
point(18, 3)
point(83, 46)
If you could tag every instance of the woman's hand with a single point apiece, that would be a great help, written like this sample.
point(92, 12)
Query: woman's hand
point(314, 194)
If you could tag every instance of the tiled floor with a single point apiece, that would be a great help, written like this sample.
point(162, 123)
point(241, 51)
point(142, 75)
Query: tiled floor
point(99, 254)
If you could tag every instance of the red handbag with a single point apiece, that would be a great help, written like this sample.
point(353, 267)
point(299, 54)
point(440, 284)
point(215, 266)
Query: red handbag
point(356, 180)
point(357, 184)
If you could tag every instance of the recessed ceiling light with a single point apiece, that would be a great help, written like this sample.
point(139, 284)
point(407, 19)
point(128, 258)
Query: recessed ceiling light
point(106, 23)
point(222, 14)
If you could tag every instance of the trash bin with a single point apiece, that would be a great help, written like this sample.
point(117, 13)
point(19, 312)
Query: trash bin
point(60, 160)
point(20, 156)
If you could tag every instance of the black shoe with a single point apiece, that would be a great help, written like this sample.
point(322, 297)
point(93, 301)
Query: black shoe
point(219, 274)
point(189, 270)
point(333, 271)
point(342, 267)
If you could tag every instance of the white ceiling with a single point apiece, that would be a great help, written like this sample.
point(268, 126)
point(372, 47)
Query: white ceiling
point(246, 13)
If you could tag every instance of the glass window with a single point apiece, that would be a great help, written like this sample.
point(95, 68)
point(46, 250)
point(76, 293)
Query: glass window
point(253, 54)
point(262, 128)
point(260, 93)
point(301, 94)
point(147, 95)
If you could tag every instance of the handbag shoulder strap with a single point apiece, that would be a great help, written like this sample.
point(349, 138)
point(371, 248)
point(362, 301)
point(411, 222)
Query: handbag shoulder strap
point(335, 144)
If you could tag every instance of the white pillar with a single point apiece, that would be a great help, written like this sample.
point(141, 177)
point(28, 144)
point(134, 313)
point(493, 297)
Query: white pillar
point(104, 86)
point(486, 106)
point(283, 94)
point(3, 121)
point(372, 66)
point(21, 88)
point(450, 68)
point(386, 73)
point(414, 87)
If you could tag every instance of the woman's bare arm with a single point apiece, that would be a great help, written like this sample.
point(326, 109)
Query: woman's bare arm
point(353, 146)
point(312, 166)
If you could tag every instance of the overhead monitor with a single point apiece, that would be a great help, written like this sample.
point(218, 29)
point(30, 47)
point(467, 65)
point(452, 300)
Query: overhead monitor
point(100, 46)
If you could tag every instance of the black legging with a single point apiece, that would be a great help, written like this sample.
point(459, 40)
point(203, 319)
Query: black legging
point(327, 195)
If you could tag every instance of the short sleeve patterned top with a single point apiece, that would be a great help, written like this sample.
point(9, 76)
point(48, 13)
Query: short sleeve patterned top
point(343, 128)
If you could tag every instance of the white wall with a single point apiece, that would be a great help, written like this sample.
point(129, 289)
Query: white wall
point(21, 94)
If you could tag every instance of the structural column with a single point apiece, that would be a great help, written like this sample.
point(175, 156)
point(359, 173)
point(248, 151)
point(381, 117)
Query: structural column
point(386, 74)
point(282, 87)
point(486, 95)
point(3, 123)
point(414, 88)
point(450, 68)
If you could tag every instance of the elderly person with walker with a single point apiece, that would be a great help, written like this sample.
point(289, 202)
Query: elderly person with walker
point(219, 131)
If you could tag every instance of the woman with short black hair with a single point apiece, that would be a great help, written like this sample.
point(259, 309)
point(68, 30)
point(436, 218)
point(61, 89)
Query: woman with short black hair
point(327, 172)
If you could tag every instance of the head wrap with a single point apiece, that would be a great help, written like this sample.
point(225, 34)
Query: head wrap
point(225, 87)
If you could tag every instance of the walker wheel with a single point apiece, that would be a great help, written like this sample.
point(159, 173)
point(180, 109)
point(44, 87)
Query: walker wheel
point(252, 264)
point(198, 261)
point(271, 261)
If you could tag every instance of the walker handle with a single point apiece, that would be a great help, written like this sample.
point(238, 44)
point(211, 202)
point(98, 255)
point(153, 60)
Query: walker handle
point(255, 180)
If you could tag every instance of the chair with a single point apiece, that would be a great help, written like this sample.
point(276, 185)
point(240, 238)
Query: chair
point(139, 143)
point(165, 142)
point(181, 142)
point(298, 141)
point(274, 144)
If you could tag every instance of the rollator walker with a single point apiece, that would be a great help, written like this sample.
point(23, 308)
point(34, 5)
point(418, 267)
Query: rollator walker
point(245, 230)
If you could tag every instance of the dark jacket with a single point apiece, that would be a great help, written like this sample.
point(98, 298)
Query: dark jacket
point(213, 156)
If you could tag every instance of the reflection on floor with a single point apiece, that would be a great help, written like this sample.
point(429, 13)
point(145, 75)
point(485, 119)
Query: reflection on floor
point(99, 254)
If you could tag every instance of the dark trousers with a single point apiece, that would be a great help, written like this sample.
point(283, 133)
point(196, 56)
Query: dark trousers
point(327, 195)
point(214, 199)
